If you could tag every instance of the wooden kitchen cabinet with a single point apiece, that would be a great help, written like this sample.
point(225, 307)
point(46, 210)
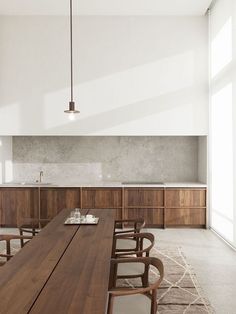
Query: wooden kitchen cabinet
point(185, 207)
point(17, 203)
point(147, 203)
point(99, 198)
point(53, 200)
point(160, 207)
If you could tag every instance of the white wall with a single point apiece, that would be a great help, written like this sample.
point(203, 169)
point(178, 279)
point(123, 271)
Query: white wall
point(6, 168)
point(223, 119)
point(133, 76)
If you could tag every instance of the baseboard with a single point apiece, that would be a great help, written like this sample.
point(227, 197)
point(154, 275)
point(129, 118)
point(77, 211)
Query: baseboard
point(223, 239)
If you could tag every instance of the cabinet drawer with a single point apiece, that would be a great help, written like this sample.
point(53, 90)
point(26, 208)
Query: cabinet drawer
point(144, 197)
point(152, 217)
point(175, 198)
point(101, 198)
point(185, 216)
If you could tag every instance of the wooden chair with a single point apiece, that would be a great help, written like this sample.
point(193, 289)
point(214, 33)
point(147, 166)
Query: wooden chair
point(135, 226)
point(135, 299)
point(31, 226)
point(8, 238)
point(133, 270)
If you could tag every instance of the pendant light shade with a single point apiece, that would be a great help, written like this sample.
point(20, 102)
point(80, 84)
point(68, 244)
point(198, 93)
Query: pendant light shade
point(71, 110)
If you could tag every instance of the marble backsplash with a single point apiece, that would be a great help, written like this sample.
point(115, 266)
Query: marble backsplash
point(70, 160)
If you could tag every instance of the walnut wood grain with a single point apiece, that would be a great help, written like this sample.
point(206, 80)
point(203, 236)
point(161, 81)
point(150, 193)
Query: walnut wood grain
point(146, 203)
point(24, 276)
point(53, 200)
point(185, 217)
point(144, 197)
point(177, 198)
point(153, 204)
point(153, 217)
point(79, 284)
point(103, 198)
point(16, 203)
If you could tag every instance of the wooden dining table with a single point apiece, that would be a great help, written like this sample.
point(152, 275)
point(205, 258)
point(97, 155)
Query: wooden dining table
point(64, 269)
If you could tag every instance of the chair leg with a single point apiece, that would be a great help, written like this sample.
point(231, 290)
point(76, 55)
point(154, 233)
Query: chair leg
point(144, 277)
point(154, 302)
point(113, 276)
point(8, 249)
point(21, 240)
point(110, 304)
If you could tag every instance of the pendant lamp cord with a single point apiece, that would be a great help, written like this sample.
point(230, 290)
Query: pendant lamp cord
point(71, 54)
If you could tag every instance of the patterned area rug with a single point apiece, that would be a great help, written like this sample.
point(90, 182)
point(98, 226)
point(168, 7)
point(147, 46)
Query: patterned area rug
point(179, 293)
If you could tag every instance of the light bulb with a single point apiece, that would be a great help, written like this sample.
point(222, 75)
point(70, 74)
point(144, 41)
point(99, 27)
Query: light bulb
point(71, 116)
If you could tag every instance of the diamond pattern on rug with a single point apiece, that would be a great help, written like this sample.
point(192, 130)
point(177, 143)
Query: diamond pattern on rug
point(179, 292)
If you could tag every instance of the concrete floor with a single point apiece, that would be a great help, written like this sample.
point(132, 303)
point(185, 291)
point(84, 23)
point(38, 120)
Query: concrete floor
point(213, 261)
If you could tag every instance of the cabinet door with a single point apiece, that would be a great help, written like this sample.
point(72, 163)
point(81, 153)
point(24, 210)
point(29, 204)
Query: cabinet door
point(185, 207)
point(103, 198)
point(152, 217)
point(18, 203)
point(53, 200)
point(146, 203)
point(144, 197)
point(185, 217)
point(177, 198)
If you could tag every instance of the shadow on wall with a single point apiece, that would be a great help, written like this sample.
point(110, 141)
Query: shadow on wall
point(123, 78)
point(132, 113)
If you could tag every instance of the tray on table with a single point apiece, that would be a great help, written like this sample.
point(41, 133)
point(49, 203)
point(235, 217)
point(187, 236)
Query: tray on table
point(81, 221)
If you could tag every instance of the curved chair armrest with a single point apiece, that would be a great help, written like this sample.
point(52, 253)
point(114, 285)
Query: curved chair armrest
point(138, 238)
point(147, 261)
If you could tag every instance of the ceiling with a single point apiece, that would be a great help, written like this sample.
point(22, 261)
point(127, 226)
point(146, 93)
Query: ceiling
point(105, 7)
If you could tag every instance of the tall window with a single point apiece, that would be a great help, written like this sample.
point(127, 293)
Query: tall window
point(221, 126)
point(222, 163)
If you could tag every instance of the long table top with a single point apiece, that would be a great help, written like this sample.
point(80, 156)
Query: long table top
point(64, 269)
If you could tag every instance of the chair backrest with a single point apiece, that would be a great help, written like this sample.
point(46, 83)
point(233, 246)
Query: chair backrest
point(7, 239)
point(32, 223)
point(134, 225)
point(143, 244)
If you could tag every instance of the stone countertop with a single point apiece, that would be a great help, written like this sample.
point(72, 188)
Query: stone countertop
point(108, 184)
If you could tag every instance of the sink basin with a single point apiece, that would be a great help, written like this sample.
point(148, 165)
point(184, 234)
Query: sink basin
point(142, 182)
